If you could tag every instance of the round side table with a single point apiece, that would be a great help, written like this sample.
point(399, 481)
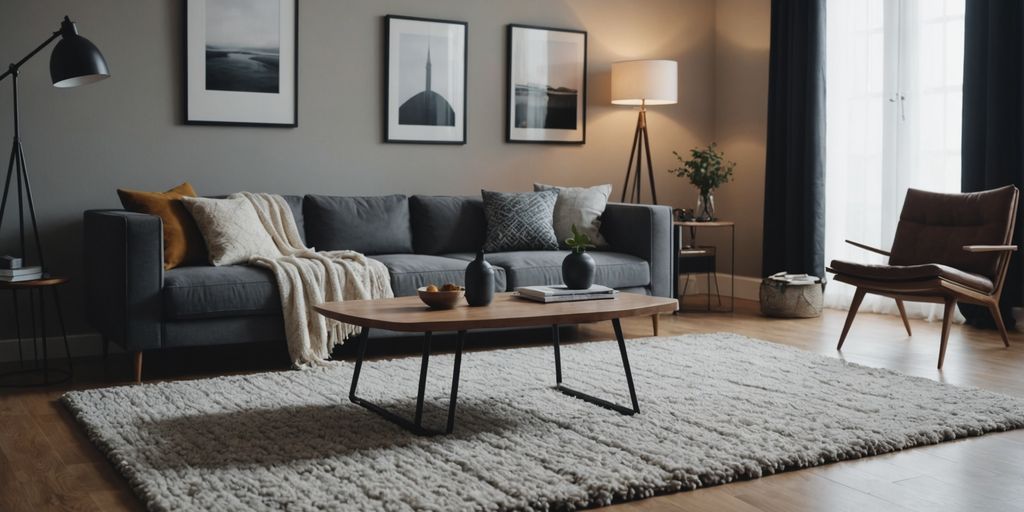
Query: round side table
point(39, 374)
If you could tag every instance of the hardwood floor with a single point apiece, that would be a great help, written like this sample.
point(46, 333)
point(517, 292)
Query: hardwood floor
point(46, 462)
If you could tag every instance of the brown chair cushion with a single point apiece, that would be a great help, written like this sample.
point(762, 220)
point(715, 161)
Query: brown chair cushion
point(183, 243)
point(894, 273)
point(934, 227)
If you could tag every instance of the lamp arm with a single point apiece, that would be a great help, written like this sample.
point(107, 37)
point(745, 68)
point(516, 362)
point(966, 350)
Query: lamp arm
point(13, 68)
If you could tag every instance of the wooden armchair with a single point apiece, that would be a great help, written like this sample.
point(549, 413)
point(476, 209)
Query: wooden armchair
point(947, 248)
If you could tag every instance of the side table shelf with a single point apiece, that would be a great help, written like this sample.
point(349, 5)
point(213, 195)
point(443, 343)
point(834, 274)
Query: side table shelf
point(40, 373)
point(710, 251)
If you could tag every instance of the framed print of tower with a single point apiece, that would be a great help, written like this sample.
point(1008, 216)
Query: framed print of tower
point(425, 68)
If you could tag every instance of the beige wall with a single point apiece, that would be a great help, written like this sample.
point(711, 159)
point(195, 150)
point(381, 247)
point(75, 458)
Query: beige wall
point(741, 112)
point(83, 143)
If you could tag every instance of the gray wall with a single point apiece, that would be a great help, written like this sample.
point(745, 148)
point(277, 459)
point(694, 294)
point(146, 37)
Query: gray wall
point(127, 131)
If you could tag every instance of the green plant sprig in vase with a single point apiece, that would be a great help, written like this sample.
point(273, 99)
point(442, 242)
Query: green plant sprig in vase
point(578, 267)
point(707, 169)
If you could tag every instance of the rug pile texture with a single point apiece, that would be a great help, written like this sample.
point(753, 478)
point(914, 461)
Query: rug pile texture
point(714, 408)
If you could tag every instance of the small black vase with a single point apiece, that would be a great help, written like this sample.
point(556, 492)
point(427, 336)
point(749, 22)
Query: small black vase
point(578, 270)
point(479, 281)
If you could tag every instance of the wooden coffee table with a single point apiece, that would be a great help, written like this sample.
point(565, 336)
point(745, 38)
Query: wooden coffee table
point(408, 314)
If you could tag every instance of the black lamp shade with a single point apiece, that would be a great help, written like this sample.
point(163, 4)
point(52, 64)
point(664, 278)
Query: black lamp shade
point(76, 61)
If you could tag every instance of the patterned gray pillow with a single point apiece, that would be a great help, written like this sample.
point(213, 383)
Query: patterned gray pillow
point(520, 221)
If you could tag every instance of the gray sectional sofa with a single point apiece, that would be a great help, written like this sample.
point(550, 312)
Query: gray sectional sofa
point(133, 302)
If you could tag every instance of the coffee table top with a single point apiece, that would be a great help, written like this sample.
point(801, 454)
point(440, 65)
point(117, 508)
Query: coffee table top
point(409, 314)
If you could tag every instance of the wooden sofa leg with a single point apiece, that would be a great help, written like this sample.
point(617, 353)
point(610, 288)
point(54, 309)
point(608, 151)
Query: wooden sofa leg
point(138, 367)
point(998, 316)
point(903, 315)
point(947, 322)
point(654, 323)
point(858, 297)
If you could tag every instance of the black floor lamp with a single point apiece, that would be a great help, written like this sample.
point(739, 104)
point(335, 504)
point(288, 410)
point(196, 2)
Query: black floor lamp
point(74, 61)
point(642, 83)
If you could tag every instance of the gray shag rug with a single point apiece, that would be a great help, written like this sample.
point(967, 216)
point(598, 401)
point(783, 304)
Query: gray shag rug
point(714, 408)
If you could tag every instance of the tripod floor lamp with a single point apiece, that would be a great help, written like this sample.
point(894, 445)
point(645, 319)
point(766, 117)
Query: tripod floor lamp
point(642, 83)
point(74, 61)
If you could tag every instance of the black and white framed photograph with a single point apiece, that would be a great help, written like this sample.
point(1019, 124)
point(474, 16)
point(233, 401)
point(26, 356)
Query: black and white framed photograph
point(547, 85)
point(241, 59)
point(425, 67)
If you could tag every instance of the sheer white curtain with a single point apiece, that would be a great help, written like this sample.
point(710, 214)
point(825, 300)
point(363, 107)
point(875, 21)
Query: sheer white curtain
point(894, 80)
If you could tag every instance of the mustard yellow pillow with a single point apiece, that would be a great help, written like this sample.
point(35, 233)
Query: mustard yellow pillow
point(183, 243)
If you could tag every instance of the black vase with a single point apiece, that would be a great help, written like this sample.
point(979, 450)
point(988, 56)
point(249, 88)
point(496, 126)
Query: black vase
point(479, 281)
point(578, 270)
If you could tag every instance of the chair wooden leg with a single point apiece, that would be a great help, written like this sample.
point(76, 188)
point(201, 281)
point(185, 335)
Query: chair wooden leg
point(998, 316)
point(138, 367)
point(654, 323)
point(947, 322)
point(858, 297)
point(903, 315)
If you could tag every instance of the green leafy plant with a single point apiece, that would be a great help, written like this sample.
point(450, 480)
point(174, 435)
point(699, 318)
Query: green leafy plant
point(706, 168)
point(579, 242)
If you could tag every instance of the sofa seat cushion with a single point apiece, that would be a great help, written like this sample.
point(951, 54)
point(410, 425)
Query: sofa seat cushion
point(892, 273)
point(214, 292)
point(411, 271)
point(538, 268)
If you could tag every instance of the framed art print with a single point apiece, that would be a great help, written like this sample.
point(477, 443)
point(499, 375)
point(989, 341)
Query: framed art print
point(425, 77)
point(547, 85)
point(241, 59)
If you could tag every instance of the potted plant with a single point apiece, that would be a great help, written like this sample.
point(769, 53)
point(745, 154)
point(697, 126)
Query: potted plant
point(707, 170)
point(578, 267)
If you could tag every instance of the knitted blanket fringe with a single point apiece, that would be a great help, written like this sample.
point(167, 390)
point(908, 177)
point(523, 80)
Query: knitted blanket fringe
point(306, 278)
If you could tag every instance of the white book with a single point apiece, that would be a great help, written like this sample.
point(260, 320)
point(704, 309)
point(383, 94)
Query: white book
point(562, 290)
point(575, 297)
point(7, 272)
point(20, 278)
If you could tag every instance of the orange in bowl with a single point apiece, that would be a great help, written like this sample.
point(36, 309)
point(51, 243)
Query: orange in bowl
point(441, 298)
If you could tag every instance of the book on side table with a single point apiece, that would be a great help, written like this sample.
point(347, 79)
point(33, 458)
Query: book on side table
point(561, 293)
point(20, 274)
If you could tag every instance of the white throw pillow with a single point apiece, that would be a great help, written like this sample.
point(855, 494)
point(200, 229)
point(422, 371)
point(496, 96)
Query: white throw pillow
point(232, 230)
point(581, 206)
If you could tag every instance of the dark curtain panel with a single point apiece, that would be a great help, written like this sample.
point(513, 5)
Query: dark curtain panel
point(794, 191)
point(993, 117)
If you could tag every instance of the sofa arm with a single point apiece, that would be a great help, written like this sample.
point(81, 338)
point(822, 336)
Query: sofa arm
point(124, 275)
point(644, 231)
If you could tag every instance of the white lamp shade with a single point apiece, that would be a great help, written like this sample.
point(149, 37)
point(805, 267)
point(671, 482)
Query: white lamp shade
point(645, 82)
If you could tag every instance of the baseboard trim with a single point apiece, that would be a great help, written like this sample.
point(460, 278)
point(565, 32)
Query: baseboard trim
point(81, 345)
point(747, 287)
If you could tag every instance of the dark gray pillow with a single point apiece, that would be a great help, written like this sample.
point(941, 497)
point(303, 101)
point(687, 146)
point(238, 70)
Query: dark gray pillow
point(370, 225)
point(444, 225)
point(520, 221)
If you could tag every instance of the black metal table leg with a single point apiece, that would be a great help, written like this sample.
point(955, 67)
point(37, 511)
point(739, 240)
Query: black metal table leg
point(556, 337)
point(593, 399)
point(460, 340)
point(17, 328)
point(414, 426)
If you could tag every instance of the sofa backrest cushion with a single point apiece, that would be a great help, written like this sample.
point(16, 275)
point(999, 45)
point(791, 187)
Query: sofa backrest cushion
point(370, 225)
point(295, 204)
point(445, 225)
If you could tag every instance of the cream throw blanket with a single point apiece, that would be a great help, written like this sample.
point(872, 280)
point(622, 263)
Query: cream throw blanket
point(306, 278)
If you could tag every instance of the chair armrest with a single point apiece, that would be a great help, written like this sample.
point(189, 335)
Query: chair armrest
point(868, 248)
point(645, 231)
point(124, 266)
point(989, 248)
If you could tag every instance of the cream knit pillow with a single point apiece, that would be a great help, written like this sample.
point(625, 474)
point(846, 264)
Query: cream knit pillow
point(232, 230)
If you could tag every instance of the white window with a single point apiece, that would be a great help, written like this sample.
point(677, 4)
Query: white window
point(894, 77)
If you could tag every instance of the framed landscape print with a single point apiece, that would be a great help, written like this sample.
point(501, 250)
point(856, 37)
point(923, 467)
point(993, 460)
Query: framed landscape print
point(241, 60)
point(547, 85)
point(425, 76)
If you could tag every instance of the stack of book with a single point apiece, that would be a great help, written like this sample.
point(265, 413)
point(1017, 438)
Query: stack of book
point(20, 274)
point(561, 293)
